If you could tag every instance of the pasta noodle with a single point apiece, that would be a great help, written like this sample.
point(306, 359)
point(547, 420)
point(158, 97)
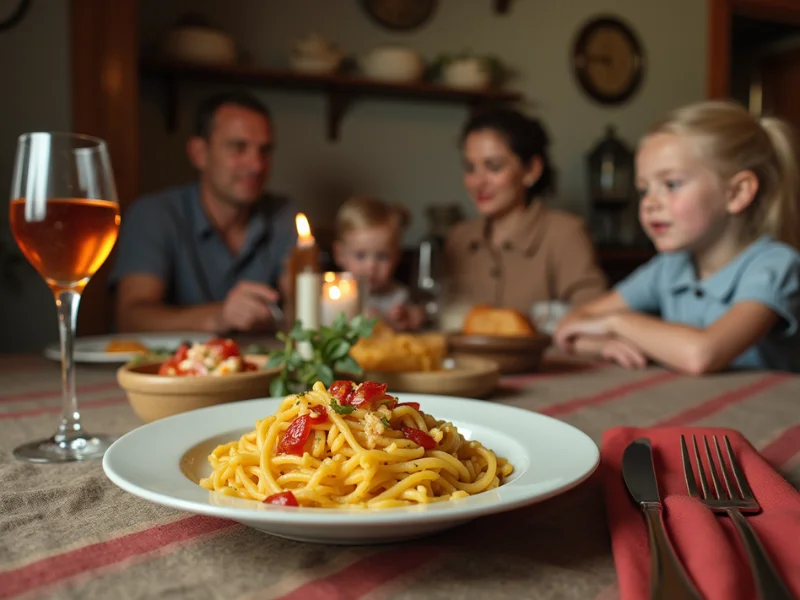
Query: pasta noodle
point(353, 446)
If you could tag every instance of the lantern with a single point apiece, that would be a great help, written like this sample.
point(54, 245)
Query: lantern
point(611, 184)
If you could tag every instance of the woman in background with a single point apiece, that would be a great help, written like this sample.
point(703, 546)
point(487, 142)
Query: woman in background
point(518, 252)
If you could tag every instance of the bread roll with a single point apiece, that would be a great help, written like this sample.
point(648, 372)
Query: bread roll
point(505, 322)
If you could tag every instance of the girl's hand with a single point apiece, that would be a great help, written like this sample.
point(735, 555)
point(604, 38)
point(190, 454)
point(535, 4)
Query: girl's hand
point(570, 329)
point(624, 354)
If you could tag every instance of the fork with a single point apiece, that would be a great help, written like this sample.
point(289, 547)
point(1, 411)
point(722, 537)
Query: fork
point(734, 502)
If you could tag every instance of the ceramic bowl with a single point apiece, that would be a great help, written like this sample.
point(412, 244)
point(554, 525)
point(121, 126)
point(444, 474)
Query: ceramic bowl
point(392, 64)
point(512, 354)
point(153, 396)
point(469, 376)
point(468, 74)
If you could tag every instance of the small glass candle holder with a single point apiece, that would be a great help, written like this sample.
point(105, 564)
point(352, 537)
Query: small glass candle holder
point(340, 295)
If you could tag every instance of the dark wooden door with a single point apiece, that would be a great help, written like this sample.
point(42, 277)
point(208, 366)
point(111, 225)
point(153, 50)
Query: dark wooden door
point(105, 103)
point(780, 84)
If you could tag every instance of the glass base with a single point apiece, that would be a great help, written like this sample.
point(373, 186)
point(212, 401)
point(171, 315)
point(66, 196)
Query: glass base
point(85, 447)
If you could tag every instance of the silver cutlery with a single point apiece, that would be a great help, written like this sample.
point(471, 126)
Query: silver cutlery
point(734, 501)
point(668, 579)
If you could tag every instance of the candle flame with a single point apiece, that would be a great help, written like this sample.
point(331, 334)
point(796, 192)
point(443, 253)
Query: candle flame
point(330, 277)
point(303, 230)
point(334, 292)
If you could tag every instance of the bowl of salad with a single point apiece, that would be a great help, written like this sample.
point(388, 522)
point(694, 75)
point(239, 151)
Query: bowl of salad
point(195, 376)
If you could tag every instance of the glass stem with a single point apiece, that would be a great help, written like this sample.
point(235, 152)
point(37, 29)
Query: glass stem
point(70, 428)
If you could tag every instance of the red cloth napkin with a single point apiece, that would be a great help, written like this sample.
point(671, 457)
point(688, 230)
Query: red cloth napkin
point(706, 543)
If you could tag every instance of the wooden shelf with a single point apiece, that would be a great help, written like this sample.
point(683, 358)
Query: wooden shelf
point(341, 90)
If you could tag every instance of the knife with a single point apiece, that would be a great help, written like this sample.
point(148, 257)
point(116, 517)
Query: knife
point(668, 580)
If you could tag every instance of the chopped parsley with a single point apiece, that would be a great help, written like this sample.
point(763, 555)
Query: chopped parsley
point(386, 423)
point(341, 410)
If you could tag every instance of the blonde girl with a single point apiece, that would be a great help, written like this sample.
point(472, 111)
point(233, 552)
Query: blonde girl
point(368, 244)
point(719, 193)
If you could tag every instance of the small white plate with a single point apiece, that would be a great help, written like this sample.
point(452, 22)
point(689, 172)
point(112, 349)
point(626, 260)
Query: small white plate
point(93, 349)
point(163, 461)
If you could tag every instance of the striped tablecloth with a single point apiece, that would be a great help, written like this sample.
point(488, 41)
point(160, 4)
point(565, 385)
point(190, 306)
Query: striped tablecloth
point(67, 532)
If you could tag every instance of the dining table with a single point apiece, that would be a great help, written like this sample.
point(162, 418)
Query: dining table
point(66, 531)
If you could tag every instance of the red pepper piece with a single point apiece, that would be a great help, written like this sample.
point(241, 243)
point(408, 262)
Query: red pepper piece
point(342, 391)
point(419, 437)
point(321, 411)
point(295, 437)
point(282, 499)
point(367, 393)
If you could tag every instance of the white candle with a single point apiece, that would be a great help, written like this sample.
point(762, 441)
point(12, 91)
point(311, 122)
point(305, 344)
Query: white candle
point(307, 305)
point(339, 295)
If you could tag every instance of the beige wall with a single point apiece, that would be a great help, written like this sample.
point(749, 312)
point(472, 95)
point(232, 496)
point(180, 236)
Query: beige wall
point(34, 71)
point(407, 151)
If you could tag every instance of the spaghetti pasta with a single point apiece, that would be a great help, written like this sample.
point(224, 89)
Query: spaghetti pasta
point(353, 446)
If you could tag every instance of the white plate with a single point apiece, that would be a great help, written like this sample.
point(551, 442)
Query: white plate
point(93, 349)
point(162, 462)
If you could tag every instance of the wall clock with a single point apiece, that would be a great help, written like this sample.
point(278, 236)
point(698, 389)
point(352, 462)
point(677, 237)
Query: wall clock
point(608, 60)
point(400, 14)
point(12, 12)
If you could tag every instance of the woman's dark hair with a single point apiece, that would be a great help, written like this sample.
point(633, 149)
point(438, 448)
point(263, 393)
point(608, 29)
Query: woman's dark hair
point(525, 137)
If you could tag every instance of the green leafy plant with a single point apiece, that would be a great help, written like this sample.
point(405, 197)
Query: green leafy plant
point(311, 355)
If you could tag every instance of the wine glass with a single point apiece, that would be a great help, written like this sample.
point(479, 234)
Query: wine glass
point(65, 218)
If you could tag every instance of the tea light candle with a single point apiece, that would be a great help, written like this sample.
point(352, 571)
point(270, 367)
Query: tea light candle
point(339, 295)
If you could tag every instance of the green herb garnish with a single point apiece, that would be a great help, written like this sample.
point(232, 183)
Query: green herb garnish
point(342, 410)
point(386, 423)
point(327, 352)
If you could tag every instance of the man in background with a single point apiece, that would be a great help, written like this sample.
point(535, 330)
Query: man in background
point(208, 256)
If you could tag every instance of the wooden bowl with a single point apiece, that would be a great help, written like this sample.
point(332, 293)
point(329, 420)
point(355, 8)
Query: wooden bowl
point(512, 354)
point(469, 376)
point(153, 396)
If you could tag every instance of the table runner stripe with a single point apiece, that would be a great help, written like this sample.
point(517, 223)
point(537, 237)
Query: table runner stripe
point(66, 565)
point(365, 575)
point(562, 408)
point(782, 450)
point(725, 400)
point(55, 410)
point(56, 392)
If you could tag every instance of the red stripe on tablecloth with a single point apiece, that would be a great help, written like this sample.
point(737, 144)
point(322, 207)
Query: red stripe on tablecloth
point(555, 369)
point(364, 575)
point(725, 400)
point(56, 568)
point(56, 392)
point(51, 410)
point(563, 408)
point(783, 448)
